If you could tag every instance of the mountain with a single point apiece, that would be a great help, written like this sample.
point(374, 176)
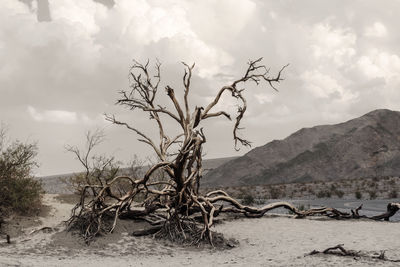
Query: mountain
point(363, 147)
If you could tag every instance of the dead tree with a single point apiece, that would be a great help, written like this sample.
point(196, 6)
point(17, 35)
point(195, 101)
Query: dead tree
point(173, 205)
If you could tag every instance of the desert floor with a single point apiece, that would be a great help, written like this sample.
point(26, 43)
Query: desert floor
point(269, 241)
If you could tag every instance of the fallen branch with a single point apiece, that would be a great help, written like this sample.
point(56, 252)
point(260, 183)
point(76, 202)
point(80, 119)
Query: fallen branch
point(392, 208)
point(45, 228)
point(339, 250)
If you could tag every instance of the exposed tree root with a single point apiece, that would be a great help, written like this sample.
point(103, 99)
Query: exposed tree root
point(182, 232)
point(339, 250)
point(189, 232)
point(190, 228)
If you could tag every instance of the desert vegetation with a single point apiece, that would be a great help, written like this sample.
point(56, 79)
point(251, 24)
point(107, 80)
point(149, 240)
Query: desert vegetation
point(98, 169)
point(366, 188)
point(20, 193)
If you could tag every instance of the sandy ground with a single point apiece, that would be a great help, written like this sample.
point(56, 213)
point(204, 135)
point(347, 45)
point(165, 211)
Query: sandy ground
point(268, 241)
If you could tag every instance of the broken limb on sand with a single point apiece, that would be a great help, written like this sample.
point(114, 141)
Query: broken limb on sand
point(167, 196)
point(339, 250)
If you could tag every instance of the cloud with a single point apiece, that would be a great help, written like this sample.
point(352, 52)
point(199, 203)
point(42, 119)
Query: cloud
point(264, 98)
point(216, 27)
point(378, 29)
point(325, 86)
point(336, 44)
point(63, 117)
point(53, 116)
point(380, 64)
point(84, 14)
point(165, 31)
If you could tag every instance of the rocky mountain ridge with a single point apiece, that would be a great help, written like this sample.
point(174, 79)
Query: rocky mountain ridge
point(367, 146)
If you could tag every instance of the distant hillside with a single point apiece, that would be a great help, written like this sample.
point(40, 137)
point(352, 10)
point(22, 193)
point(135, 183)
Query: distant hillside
point(54, 184)
point(363, 147)
point(211, 164)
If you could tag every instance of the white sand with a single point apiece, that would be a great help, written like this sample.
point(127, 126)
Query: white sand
point(268, 241)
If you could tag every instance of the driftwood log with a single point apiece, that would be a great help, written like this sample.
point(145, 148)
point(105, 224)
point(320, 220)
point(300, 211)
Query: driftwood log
point(172, 201)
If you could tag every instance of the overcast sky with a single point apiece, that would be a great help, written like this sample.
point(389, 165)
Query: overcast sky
point(63, 61)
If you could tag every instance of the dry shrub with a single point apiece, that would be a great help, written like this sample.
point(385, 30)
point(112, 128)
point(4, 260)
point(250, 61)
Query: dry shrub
point(324, 194)
point(372, 194)
point(393, 194)
point(339, 193)
point(246, 197)
point(20, 193)
point(275, 193)
point(100, 169)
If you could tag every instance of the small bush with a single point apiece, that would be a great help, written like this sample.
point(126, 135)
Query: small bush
point(20, 193)
point(339, 193)
point(324, 194)
point(358, 194)
point(275, 193)
point(372, 194)
point(393, 194)
point(320, 194)
point(101, 169)
point(310, 190)
point(246, 196)
point(247, 199)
